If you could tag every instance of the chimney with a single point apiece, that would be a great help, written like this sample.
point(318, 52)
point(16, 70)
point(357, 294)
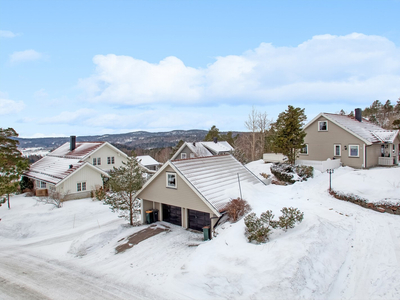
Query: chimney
point(72, 143)
point(358, 114)
point(215, 140)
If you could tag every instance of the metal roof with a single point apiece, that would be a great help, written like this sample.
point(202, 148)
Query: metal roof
point(212, 176)
point(81, 150)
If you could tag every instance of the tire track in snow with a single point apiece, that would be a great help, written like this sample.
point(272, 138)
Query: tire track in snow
point(26, 276)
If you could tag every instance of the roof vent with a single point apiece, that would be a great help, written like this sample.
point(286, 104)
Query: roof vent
point(72, 142)
point(358, 114)
point(194, 144)
point(215, 140)
point(70, 166)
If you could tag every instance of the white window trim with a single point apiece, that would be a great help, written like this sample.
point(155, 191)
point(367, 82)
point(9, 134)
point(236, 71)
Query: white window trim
point(110, 160)
point(334, 150)
point(80, 186)
point(99, 161)
point(183, 155)
point(304, 153)
point(319, 122)
point(167, 183)
point(94, 161)
point(358, 151)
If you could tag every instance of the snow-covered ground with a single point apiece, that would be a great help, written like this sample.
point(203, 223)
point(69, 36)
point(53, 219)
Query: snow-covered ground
point(34, 151)
point(339, 251)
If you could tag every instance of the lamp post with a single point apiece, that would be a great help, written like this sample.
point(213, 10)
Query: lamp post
point(330, 172)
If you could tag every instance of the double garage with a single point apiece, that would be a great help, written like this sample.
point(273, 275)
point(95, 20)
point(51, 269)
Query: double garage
point(196, 220)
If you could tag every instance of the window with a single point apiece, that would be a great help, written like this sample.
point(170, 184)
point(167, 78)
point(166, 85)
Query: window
point(42, 185)
point(171, 180)
point(337, 150)
point(94, 161)
point(304, 150)
point(183, 155)
point(99, 161)
point(322, 125)
point(81, 186)
point(110, 160)
point(191, 155)
point(353, 150)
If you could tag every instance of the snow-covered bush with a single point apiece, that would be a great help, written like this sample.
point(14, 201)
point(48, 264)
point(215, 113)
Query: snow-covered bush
point(99, 193)
point(237, 208)
point(290, 174)
point(290, 216)
point(259, 229)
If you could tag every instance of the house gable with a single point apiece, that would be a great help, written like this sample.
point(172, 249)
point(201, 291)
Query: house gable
point(107, 154)
point(183, 195)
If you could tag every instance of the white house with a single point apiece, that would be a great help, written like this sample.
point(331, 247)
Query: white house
point(75, 168)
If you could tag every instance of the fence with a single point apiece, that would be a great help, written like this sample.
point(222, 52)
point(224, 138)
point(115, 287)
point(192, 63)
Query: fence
point(321, 166)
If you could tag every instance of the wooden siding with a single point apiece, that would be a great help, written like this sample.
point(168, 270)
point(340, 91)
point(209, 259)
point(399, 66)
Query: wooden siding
point(182, 196)
point(103, 153)
point(84, 174)
point(321, 144)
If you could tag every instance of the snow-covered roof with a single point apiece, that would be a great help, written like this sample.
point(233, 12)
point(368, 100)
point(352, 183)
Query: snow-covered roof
point(198, 149)
point(218, 147)
point(147, 160)
point(62, 162)
point(82, 150)
point(365, 130)
point(53, 169)
point(212, 176)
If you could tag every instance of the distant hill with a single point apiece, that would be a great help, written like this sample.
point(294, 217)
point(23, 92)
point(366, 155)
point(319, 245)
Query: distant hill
point(138, 139)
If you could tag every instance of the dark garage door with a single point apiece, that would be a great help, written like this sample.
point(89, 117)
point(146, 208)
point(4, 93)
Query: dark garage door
point(172, 214)
point(198, 219)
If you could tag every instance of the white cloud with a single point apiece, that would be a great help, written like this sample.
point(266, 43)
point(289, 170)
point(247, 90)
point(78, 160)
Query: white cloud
point(69, 117)
point(40, 94)
point(354, 67)
point(27, 55)
point(10, 106)
point(7, 34)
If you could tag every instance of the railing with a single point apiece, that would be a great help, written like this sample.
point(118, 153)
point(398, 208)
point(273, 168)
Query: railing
point(321, 166)
point(385, 161)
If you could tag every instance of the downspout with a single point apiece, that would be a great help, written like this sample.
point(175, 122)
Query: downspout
point(365, 157)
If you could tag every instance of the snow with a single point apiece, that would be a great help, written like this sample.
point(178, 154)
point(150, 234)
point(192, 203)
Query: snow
point(339, 251)
point(34, 151)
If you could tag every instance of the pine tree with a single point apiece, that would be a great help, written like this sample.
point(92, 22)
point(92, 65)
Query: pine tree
point(288, 137)
point(124, 182)
point(212, 134)
point(12, 163)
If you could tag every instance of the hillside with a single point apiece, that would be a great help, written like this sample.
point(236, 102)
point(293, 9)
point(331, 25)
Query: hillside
point(339, 251)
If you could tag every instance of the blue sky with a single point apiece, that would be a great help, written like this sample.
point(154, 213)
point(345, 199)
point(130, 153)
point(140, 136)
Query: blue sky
point(96, 67)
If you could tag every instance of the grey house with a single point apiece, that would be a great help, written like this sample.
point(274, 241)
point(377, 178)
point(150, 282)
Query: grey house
point(192, 193)
point(203, 149)
point(357, 142)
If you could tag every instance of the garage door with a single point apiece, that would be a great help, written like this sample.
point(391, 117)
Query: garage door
point(198, 219)
point(172, 214)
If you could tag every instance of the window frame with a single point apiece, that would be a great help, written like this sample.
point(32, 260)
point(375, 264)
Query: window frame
point(183, 155)
point(340, 150)
point(43, 185)
point(99, 161)
point(94, 161)
point(358, 150)
point(319, 126)
point(110, 160)
point(81, 186)
point(168, 174)
point(305, 147)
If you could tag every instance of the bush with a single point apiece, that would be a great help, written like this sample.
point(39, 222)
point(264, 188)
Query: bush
point(289, 217)
point(259, 229)
point(286, 172)
point(99, 193)
point(237, 208)
point(304, 172)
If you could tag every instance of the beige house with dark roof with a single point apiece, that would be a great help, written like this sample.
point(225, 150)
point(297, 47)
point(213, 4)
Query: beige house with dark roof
point(193, 192)
point(357, 142)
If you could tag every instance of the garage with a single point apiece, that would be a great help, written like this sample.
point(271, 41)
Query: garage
point(172, 214)
point(198, 219)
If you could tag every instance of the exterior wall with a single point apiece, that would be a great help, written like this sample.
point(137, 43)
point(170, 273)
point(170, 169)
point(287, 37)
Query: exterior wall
point(373, 154)
point(321, 144)
point(184, 150)
point(84, 174)
point(103, 153)
point(156, 193)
